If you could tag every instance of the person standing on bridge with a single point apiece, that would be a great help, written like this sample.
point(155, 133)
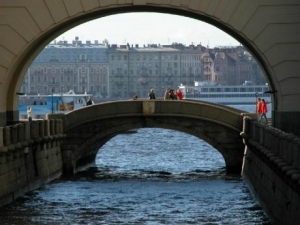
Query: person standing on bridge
point(259, 107)
point(90, 101)
point(152, 94)
point(264, 110)
point(167, 94)
point(29, 114)
point(179, 95)
point(172, 95)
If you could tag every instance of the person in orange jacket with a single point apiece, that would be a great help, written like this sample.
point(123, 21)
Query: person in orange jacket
point(264, 110)
point(258, 106)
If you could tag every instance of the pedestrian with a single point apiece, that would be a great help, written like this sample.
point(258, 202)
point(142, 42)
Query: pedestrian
point(179, 94)
point(172, 95)
point(90, 101)
point(259, 107)
point(29, 114)
point(264, 110)
point(152, 94)
point(167, 94)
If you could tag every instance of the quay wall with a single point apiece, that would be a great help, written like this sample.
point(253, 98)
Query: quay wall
point(30, 156)
point(272, 170)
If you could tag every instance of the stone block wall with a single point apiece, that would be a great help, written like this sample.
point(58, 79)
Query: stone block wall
point(272, 170)
point(30, 156)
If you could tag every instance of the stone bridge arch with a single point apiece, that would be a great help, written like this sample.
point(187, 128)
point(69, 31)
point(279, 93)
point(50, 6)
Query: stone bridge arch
point(89, 128)
point(269, 29)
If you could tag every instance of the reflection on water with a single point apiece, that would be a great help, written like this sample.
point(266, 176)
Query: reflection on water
point(154, 176)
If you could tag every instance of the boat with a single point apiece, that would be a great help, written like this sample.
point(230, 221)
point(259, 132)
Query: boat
point(41, 105)
point(226, 94)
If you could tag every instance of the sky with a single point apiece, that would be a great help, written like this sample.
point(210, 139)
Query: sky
point(150, 28)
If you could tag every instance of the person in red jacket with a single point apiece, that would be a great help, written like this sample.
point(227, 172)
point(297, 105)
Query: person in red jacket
point(179, 94)
point(264, 110)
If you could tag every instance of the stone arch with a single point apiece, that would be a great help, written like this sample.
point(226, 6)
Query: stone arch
point(266, 28)
point(89, 128)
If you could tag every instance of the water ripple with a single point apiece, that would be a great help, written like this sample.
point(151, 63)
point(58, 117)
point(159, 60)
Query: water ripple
point(143, 180)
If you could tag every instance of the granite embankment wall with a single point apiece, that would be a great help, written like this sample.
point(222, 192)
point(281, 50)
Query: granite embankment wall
point(30, 155)
point(272, 170)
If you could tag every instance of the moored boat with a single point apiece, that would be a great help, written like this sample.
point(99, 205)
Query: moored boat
point(55, 103)
point(226, 94)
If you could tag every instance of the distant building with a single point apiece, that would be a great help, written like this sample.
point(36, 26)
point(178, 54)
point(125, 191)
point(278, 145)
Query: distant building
point(135, 69)
point(233, 66)
point(81, 67)
point(111, 70)
point(122, 71)
point(208, 69)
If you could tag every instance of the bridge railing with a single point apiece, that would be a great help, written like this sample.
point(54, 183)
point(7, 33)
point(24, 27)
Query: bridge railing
point(281, 149)
point(23, 134)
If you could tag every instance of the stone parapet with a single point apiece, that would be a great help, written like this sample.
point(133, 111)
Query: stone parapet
point(29, 156)
point(35, 130)
point(272, 167)
point(280, 148)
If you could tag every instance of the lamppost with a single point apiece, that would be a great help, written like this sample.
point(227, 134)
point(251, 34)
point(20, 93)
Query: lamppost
point(256, 96)
point(52, 100)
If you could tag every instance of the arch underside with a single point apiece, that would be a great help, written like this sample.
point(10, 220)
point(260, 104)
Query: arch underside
point(86, 140)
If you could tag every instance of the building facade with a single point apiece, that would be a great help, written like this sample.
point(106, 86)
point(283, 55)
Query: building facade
point(60, 67)
point(134, 70)
point(230, 66)
point(122, 71)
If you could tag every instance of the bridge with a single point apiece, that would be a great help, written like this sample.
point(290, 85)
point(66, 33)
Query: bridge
point(268, 29)
point(87, 129)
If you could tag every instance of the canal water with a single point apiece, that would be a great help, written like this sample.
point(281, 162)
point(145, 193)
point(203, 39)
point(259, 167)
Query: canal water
point(151, 177)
